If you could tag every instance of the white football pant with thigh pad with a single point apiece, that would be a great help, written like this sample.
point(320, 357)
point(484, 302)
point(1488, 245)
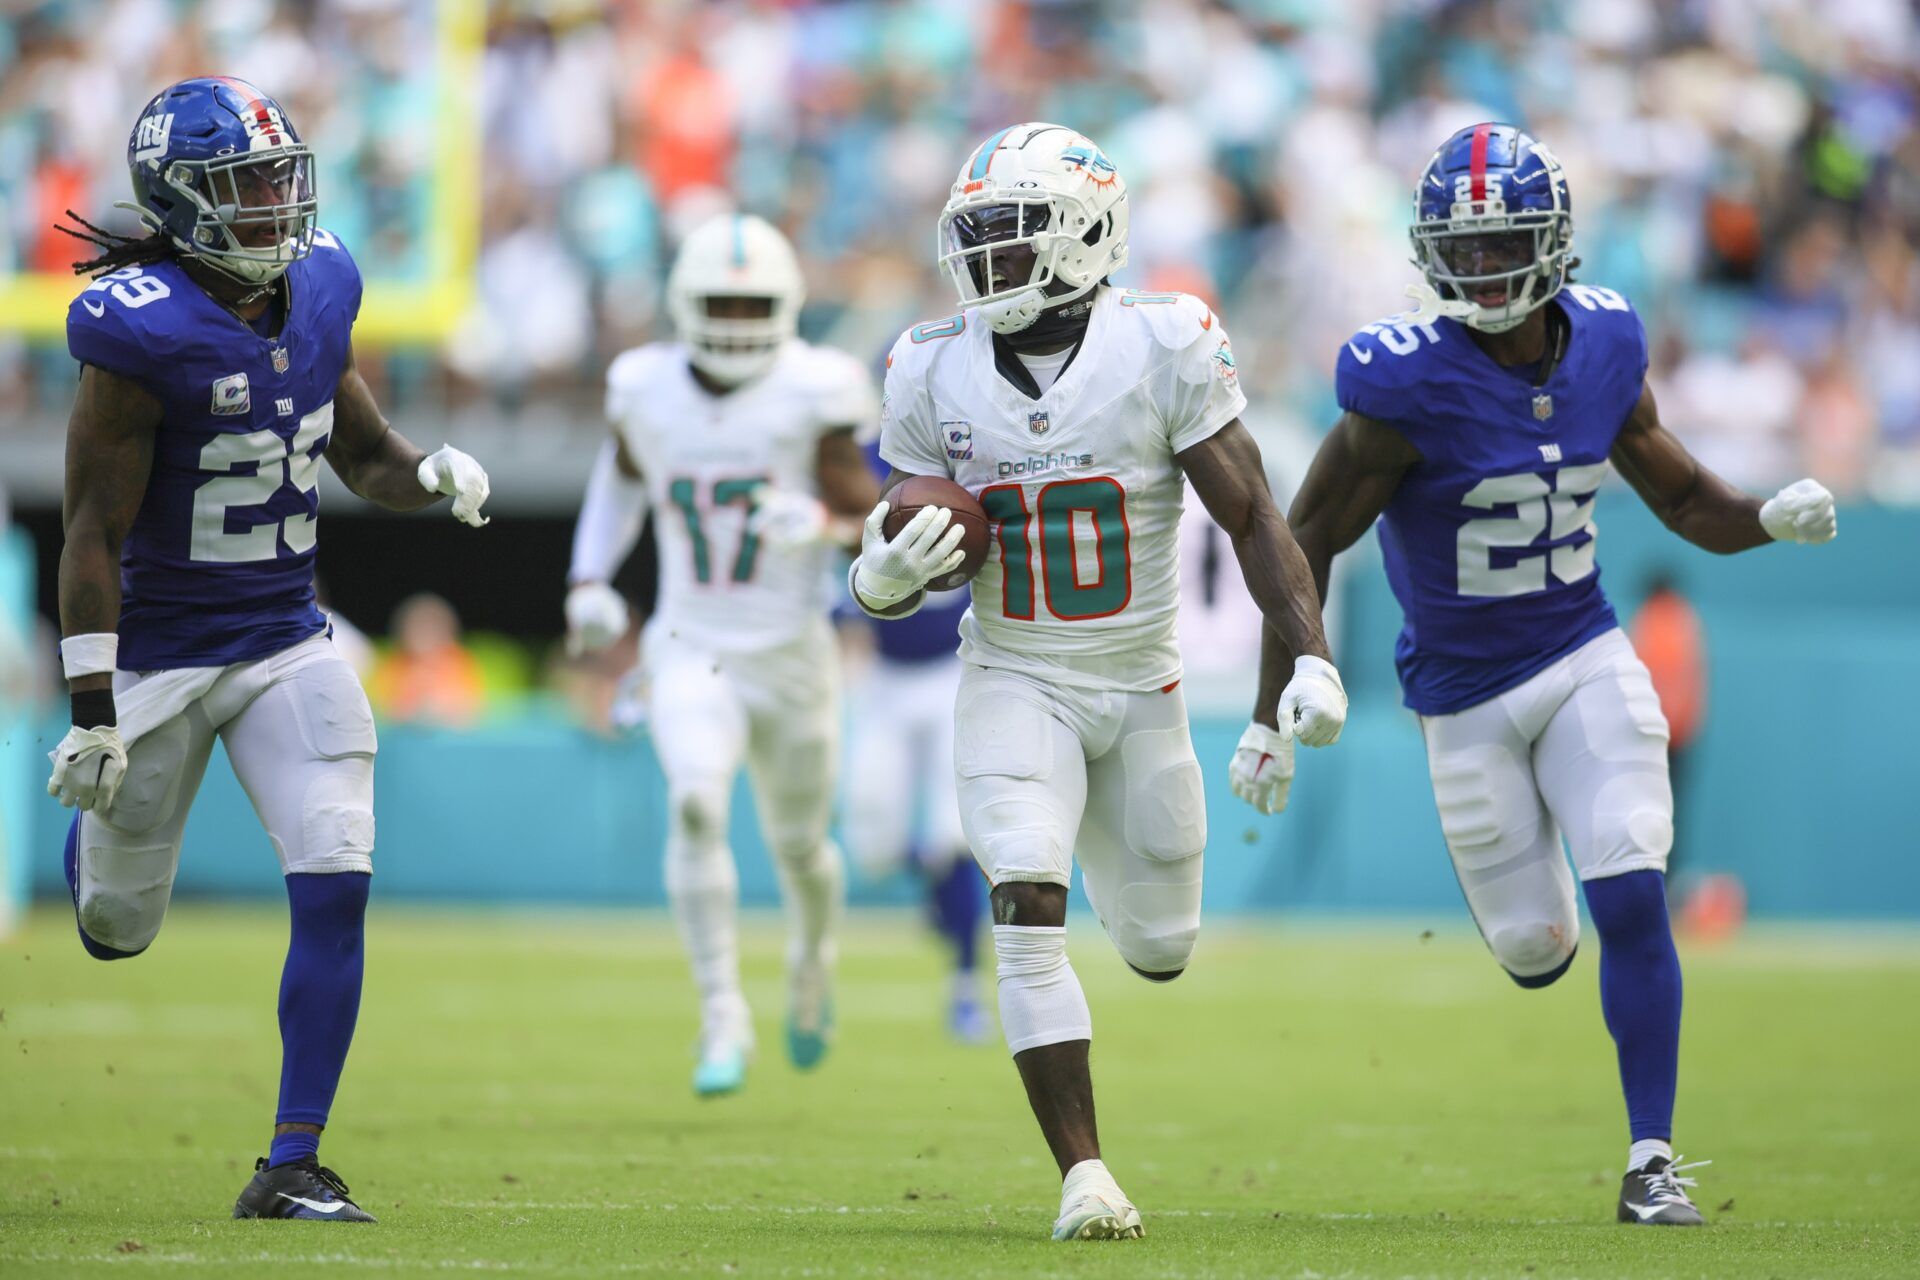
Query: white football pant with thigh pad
point(299, 735)
point(1046, 772)
point(777, 713)
point(1580, 748)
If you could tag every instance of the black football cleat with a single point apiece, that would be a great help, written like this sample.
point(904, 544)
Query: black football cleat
point(297, 1189)
point(1656, 1196)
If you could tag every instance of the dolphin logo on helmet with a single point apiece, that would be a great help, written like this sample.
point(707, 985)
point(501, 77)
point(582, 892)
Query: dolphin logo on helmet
point(1036, 218)
point(734, 293)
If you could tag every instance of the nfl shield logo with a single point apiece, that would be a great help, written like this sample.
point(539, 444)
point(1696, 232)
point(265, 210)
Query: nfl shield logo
point(1037, 423)
point(279, 359)
point(1542, 407)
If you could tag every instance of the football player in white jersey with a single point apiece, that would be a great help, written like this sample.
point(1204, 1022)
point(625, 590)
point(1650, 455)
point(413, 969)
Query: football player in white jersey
point(745, 441)
point(1072, 409)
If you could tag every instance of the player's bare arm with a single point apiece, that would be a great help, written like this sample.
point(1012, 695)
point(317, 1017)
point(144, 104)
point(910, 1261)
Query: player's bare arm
point(1352, 478)
point(109, 453)
point(1701, 507)
point(846, 484)
point(1226, 472)
point(384, 467)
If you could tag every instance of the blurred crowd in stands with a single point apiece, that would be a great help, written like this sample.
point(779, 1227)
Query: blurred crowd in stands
point(1748, 171)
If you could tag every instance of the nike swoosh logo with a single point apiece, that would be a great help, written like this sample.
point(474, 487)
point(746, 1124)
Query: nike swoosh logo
point(318, 1206)
point(1645, 1211)
point(1364, 357)
point(1208, 322)
point(96, 310)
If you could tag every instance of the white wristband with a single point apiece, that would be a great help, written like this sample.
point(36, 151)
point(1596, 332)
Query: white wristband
point(919, 599)
point(95, 653)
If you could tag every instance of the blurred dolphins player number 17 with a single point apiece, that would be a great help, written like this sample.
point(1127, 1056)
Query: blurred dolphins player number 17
point(736, 489)
point(1068, 597)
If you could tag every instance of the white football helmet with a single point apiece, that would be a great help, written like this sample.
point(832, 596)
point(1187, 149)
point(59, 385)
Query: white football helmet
point(735, 255)
point(1037, 217)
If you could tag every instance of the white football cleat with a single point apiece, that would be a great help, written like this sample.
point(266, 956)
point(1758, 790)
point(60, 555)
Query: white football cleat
point(1092, 1207)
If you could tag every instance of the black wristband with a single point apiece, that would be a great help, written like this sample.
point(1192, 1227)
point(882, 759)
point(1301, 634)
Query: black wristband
point(93, 708)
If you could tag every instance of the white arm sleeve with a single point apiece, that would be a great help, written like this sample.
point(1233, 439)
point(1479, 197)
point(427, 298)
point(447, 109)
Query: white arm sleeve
point(610, 519)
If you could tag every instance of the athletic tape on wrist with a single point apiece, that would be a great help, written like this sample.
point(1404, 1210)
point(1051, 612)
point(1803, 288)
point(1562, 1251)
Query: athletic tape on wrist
point(96, 653)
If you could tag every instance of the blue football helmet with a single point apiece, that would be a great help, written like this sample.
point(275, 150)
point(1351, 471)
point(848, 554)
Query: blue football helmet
point(1493, 226)
point(220, 170)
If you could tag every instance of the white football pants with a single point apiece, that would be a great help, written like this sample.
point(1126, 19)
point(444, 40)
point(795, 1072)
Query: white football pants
point(300, 738)
point(1580, 748)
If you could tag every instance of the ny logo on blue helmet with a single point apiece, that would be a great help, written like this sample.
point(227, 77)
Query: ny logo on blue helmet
point(219, 169)
point(1493, 226)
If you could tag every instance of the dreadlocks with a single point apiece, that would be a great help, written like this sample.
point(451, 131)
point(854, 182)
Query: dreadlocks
point(120, 251)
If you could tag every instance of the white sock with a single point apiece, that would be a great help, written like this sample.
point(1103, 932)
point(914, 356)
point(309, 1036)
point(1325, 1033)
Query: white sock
point(1082, 1173)
point(815, 891)
point(704, 891)
point(1647, 1149)
point(1041, 1002)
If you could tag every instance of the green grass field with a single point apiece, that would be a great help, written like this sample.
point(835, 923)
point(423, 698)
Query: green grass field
point(1310, 1101)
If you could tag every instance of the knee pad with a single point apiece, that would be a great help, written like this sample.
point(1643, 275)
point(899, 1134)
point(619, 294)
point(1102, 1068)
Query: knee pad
point(1041, 1002)
point(797, 833)
point(336, 810)
point(698, 811)
point(1156, 926)
point(697, 855)
point(1534, 952)
point(336, 819)
point(126, 917)
point(1632, 824)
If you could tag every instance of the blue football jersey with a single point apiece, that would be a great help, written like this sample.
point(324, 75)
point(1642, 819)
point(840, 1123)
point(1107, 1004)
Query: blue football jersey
point(218, 566)
point(1489, 540)
point(931, 633)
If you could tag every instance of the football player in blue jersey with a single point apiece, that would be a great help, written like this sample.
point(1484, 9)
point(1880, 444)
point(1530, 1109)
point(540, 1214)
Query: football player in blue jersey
point(216, 371)
point(1476, 430)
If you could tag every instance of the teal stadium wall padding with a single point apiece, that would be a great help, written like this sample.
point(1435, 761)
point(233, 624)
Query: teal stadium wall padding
point(1804, 783)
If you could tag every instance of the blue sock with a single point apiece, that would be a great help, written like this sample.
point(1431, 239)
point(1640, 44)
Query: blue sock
point(1640, 993)
point(288, 1147)
point(319, 999)
point(959, 899)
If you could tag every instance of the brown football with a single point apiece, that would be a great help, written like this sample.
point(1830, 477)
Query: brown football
point(937, 491)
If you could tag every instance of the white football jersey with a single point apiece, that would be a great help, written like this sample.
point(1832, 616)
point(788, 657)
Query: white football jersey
point(1080, 486)
point(704, 458)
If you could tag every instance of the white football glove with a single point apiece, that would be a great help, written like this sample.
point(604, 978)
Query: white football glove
point(458, 476)
point(596, 617)
point(88, 767)
point(1314, 703)
point(1801, 512)
point(1262, 768)
point(627, 713)
point(787, 519)
point(889, 572)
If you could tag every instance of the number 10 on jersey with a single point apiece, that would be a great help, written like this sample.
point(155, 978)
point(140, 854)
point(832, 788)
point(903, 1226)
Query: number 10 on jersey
point(1070, 513)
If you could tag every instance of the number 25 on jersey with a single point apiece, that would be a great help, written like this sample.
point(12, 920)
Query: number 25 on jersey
point(1559, 504)
point(1086, 564)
